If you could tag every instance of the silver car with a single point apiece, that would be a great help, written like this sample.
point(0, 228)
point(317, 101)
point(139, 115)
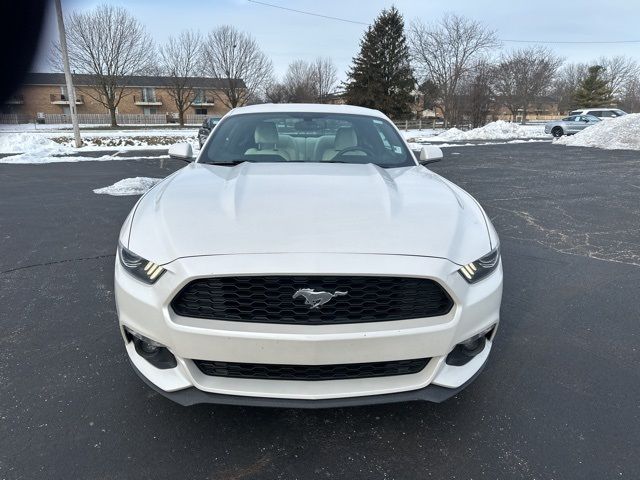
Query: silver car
point(570, 125)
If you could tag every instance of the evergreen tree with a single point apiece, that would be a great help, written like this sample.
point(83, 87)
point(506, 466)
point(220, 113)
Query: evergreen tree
point(594, 90)
point(381, 76)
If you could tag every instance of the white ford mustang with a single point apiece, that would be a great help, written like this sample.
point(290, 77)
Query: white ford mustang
point(306, 259)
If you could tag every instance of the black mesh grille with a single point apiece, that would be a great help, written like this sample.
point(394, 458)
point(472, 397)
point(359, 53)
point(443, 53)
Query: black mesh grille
point(269, 299)
point(311, 372)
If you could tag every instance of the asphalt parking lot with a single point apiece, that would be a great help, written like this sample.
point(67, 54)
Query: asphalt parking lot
point(559, 399)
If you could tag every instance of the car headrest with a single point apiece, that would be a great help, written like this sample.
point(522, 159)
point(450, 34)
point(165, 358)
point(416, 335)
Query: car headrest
point(266, 132)
point(345, 138)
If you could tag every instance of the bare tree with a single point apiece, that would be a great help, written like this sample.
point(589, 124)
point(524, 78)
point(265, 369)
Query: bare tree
point(619, 72)
point(304, 82)
point(276, 92)
point(630, 101)
point(426, 97)
point(236, 59)
point(523, 75)
point(478, 96)
point(566, 82)
point(180, 59)
point(108, 44)
point(325, 77)
point(505, 85)
point(300, 82)
point(444, 52)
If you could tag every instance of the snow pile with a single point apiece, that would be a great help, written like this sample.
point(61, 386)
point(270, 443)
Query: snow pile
point(29, 142)
point(622, 133)
point(499, 130)
point(418, 135)
point(129, 186)
point(57, 146)
point(134, 139)
point(25, 142)
point(38, 158)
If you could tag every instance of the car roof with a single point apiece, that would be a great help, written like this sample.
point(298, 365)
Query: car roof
point(594, 109)
point(306, 107)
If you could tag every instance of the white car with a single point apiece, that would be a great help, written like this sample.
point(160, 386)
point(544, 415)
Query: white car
point(601, 113)
point(307, 259)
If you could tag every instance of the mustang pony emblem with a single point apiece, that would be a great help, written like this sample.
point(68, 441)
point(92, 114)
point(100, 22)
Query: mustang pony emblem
point(316, 299)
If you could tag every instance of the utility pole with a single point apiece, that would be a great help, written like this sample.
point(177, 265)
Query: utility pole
point(71, 93)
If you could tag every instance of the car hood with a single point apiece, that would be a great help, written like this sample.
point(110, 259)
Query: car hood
point(304, 208)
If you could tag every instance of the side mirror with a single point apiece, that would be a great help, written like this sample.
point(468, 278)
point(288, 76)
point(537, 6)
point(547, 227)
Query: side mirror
point(181, 151)
point(430, 154)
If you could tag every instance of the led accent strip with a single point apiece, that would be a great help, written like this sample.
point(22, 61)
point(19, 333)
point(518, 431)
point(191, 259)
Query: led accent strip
point(156, 273)
point(468, 270)
point(153, 270)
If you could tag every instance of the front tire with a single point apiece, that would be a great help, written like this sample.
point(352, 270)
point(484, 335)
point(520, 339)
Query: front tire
point(557, 132)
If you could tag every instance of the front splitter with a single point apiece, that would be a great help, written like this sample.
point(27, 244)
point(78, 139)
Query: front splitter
point(193, 396)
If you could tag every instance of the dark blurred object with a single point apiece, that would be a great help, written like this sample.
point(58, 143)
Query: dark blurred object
point(206, 128)
point(20, 30)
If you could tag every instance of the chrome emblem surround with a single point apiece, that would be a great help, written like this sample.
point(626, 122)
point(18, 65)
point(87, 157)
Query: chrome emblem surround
point(317, 299)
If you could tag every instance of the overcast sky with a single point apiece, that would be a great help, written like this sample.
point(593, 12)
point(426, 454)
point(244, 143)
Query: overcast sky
point(285, 36)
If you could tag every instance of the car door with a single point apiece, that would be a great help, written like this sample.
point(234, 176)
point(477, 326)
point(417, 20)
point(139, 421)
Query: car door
point(573, 124)
point(587, 121)
point(582, 122)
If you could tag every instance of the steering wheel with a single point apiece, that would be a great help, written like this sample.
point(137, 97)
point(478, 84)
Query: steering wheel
point(356, 148)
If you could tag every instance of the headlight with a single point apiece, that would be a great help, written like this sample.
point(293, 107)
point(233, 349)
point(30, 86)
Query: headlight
point(476, 271)
point(139, 267)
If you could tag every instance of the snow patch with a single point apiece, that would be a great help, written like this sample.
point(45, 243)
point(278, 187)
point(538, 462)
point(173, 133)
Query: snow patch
point(418, 135)
point(499, 130)
point(622, 133)
point(28, 142)
point(129, 186)
point(57, 142)
point(39, 158)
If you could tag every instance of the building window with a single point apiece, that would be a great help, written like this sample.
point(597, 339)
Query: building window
point(148, 94)
point(201, 111)
point(200, 97)
point(150, 110)
point(63, 93)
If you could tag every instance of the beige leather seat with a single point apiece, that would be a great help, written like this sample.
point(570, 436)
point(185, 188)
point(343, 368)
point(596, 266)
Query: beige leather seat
point(288, 144)
point(266, 137)
point(319, 145)
point(345, 138)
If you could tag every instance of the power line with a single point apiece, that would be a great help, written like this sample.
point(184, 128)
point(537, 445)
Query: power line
point(570, 41)
point(548, 42)
point(309, 13)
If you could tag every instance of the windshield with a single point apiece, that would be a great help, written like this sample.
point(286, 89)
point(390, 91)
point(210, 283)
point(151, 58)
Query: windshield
point(306, 137)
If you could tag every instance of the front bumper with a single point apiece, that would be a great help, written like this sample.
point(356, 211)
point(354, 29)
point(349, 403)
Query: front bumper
point(145, 309)
point(192, 396)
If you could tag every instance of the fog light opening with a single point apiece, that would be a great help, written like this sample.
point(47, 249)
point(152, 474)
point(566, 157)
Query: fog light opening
point(464, 352)
point(148, 348)
point(474, 345)
point(153, 352)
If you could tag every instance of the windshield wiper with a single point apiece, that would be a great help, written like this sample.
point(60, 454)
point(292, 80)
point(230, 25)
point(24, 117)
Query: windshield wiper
point(227, 163)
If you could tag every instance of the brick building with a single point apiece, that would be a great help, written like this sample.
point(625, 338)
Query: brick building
point(46, 93)
point(541, 108)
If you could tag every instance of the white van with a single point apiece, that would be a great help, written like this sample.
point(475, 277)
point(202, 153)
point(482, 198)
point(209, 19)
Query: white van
point(602, 113)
